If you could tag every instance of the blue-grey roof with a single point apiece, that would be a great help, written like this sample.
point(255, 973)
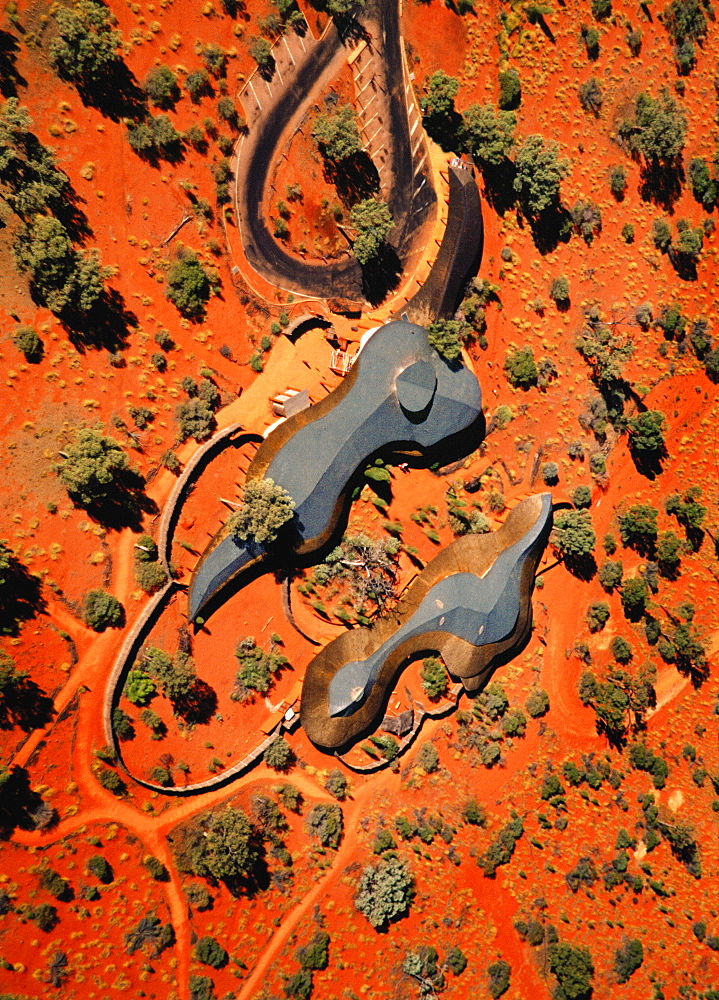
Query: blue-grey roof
point(403, 392)
point(480, 610)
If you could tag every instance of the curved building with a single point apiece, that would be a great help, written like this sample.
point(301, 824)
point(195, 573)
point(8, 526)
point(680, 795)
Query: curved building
point(471, 605)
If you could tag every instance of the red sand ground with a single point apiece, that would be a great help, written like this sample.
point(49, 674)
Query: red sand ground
point(132, 208)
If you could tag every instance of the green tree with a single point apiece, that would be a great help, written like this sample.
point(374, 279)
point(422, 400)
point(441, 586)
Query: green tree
point(488, 133)
point(446, 336)
point(686, 22)
point(189, 286)
point(85, 48)
point(422, 966)
point(210, 952)
point(669, 549)
point(627, 959)
point(94, 467)
point(11, 678)
point(139, 688)
point(657, 129)
point(645, 433)
point(455, 961)
point(590, 37)
point(704, 188)
point(435, 681)
point(161, 87)
point(521, 368)
point(100, 867)
point(597, 615)
point(573, 534)
point(638, 527)
point(500, 974)
point(605, 352)
point(539, 171)
point(372, 222)
point(587, 219)
point(618, 182)
point(634, 594)
point(510, 90)
point(266, 509)
point(440, 92)
point(261, 52)
point(224, 845)
point(385, 891)
point(62, 278)
point(201, 988)
point(174, 676)
point(573, 970)
point(102, 610)
point(337, 133)
point(315, 955)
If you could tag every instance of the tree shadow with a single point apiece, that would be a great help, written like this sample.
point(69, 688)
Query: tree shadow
point(199, 705)
point(355, 178)
point(684, 264)
point(107, 324)
point(20, 598)
point(126, 506)
point(550, 228)
point(25, 705)
point(120, 95)
point(381, 274)
point(20, 806)
point(648, 465)
point(583, 567)
point(445, 129)
point(10, 79)
point(661, 181)
point(499, 186)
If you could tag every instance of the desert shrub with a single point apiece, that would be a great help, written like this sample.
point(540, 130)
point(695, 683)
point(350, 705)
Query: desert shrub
point(198, 896)
point(521, 369)
point(110, 780)
point(278, 754)
point(315, 955)
point(336, 784)
point(201, 988)
point(559, 290)
point(52, 882)
point(435, 681)
point(550, 473)
point(428, 758)
point(587, 219)
point(44, 916)
point(473, 813)
point(590, 37)
point(590, 95)
point(501, 849)
point(634, 594)
point(155, 868)
point(28, 343)
point(537, 704)
point(326, 823)
point(385, 891)
point(582, 497)
point(610, 574)
point(455, 961)
point(638, 528)
point(220, 845)
point(195, 419)
point(100, 868)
